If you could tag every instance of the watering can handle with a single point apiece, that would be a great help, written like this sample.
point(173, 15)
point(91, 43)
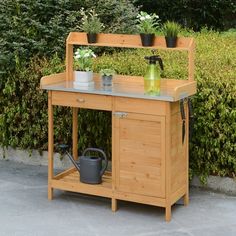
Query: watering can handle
point(103, 154)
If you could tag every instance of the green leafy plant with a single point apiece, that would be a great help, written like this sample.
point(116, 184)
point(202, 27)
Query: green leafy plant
point(171, 29)
point(83, 59)
point(107, 72)
point(91, 23)
point(214, 14)
point(147, 23)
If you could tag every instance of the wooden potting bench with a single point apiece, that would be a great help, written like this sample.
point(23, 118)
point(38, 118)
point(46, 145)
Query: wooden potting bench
point(149, 157)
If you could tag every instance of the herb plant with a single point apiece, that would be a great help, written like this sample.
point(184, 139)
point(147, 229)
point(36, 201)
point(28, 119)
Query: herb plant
point(91, 23)
point(83, 59)
point(107, 72)
point(147, 23)
point(171, 29)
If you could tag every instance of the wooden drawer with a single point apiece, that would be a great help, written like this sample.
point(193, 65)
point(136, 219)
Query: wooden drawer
point(82, 100)
point(141, 106)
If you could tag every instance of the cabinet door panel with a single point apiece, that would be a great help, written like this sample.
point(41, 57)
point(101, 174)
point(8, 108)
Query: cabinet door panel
point(140, 154)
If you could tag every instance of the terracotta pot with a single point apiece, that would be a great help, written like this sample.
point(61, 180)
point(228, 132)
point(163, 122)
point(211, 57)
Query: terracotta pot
point(147, 39)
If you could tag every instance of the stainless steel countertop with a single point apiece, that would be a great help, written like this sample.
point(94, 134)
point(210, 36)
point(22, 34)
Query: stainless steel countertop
point(117, 89)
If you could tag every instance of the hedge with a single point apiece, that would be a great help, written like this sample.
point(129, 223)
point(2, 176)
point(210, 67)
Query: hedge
point(23, 120)
point(39, 27)
point(216, 14)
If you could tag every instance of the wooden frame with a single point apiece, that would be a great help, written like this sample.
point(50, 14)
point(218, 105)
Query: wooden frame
point(126, 41)
point(164, 114)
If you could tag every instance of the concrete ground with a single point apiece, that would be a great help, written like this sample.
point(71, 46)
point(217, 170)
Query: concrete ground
point(25, 211)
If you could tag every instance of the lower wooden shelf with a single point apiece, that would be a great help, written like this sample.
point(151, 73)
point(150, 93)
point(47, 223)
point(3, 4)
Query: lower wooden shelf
point(69, 180)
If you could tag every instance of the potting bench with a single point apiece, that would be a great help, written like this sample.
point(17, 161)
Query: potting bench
point(149, 154)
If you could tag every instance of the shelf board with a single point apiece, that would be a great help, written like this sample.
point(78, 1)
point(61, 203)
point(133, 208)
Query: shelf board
point(69, 180)
point(126, 41)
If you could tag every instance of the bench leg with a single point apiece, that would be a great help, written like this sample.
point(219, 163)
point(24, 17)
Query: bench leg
point(168, 213)
point(50, 193)
point(186, 199)
point(113, 204)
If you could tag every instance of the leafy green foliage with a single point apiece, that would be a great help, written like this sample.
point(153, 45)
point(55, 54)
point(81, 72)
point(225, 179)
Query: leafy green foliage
point(83, 59)
point(117, 16)
point(147, 23)
point(216, 14)
point(107, 72)
point(38, 27)
point(213, 145)
point(91, 23)
point(171, 29)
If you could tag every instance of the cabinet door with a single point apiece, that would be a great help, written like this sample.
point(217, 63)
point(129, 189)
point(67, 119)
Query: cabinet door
point(140, 154)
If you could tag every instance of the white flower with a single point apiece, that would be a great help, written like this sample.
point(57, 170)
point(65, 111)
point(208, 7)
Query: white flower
point(148, 17)
point(157, 16)
point(138, 16)
point(86, 55)
point(142, 18)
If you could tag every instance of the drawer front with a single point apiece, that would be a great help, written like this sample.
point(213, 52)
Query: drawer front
point(141, 106)
point(90, 101)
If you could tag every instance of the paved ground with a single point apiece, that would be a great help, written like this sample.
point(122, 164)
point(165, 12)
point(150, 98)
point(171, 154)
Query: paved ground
point(25, 211)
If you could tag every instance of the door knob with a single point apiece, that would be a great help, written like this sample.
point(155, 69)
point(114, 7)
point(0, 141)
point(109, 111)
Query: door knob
point(120, 114)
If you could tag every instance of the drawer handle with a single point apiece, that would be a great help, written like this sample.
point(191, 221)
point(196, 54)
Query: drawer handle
point(80, 100)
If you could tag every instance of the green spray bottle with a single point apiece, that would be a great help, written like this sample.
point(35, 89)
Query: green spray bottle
point(152, 78)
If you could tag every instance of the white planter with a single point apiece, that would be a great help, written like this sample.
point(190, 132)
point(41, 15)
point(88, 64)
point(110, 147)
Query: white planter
point(83, 76)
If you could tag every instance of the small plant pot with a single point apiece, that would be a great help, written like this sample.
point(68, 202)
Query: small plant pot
point(107, 80)
point(83, 76)
point(171, 42)
point(147, 39)
point(92, 37)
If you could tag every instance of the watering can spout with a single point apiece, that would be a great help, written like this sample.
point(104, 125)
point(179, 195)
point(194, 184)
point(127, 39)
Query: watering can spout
point(64, 149)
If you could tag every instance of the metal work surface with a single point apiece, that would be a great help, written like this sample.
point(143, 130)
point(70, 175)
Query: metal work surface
point(124, 86)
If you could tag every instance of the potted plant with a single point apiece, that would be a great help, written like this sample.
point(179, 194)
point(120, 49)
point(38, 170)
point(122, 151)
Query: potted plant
point(107, 75)
point(91, 24)
point(147, 26)
point(83, 61)
point(171, 29)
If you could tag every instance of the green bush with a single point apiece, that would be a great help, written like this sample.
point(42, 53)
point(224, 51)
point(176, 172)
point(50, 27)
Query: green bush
point(117, 16)
point(23, 122)
point(216, 14)
point(38, 27)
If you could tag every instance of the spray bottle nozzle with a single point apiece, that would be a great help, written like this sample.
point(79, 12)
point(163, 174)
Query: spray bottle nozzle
point(153, 59)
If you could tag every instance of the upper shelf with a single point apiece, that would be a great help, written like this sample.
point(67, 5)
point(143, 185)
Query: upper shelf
point(127, 41)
